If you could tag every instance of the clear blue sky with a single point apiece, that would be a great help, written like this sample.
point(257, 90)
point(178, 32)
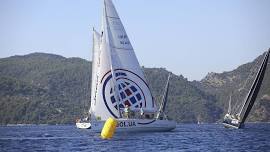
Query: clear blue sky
point(191, 37)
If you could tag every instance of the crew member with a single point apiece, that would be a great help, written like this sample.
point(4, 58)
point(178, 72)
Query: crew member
point(127, 111)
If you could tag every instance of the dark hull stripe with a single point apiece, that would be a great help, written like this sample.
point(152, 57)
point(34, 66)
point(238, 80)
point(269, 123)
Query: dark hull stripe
point(146, 123)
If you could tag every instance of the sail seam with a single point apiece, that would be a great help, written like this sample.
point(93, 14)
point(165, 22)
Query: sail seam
point(113, 17)
point(121, 48)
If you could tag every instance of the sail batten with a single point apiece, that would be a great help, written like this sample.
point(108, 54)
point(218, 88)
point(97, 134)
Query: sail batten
point(113, 17)
point(122, 48)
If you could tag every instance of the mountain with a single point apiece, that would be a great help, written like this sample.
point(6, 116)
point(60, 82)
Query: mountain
point(43, 88)
point(46, 88)
point(236, 83)
point(186, 103)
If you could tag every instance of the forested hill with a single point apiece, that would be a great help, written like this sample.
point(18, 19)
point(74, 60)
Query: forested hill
point(237, 83)
point(43, 88)
point(47, 88)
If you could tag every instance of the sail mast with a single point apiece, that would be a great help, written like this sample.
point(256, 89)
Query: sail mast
point(109, 49)
point(251, 98)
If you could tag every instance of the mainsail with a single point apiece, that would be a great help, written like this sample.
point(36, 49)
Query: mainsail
point(121, 80)
point(230, 104)
point(252, 95)
point(230, 120)
point(95, 65)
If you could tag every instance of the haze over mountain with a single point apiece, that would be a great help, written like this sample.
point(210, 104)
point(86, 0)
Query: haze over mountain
point(48, 88)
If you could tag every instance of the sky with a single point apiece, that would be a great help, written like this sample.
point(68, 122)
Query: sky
point(188, 37)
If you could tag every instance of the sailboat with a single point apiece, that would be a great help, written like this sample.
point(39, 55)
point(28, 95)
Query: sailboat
point(238, 120)
point(119, 87)
point(84, 123)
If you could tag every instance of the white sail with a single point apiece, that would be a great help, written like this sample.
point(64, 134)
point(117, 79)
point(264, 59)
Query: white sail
point(230, 108)
point(95, 66)
point(117, 57)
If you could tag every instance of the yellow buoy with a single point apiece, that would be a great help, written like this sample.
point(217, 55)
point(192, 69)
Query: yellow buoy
point(108, 128)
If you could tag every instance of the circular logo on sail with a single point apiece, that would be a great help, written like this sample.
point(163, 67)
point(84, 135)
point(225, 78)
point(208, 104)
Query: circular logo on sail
point(127, 89)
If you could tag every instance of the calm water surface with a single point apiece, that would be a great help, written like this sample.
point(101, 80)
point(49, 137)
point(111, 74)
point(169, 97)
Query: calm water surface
point(186, 137)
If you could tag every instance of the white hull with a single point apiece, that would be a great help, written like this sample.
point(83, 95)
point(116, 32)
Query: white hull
point(231, 122)
point(83, 125)
point(226, 125)
point(137, 125)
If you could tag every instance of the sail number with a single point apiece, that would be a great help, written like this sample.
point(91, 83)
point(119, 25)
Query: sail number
point(126, 124)
point(123, 39)
point(122, 36)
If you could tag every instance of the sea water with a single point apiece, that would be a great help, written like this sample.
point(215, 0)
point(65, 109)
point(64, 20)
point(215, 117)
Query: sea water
point(186, 137)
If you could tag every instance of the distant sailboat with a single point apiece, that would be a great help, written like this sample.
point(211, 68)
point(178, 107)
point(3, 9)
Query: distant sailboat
point(119, 88)
point(161, 113)
point(199, 120)
point(85, 122)
point(238, 120)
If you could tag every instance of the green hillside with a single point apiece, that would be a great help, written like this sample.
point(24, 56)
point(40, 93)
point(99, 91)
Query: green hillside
point(237, 83)
point(46, 88)
point(43, 88)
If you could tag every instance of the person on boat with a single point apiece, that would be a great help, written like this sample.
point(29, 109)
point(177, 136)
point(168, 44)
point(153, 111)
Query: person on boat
point(161, 117)
point(141, 113)
point(78, 120)
point(127, 111)
point(85, 119)
point(141, 110)
point(237, 116)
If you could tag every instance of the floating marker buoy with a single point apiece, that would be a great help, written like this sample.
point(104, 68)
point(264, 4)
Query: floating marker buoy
point(108, 128)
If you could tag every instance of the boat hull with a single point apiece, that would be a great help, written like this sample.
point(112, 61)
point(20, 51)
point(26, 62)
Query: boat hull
point(227, 125)
point(83, 125)
point(137, 125)
point(233, 124)
point(231, 121)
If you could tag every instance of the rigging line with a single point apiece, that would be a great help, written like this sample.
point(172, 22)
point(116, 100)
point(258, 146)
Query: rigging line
point(250, 75)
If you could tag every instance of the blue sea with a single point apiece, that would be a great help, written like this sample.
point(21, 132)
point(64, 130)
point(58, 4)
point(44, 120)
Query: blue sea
point(186, 137)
